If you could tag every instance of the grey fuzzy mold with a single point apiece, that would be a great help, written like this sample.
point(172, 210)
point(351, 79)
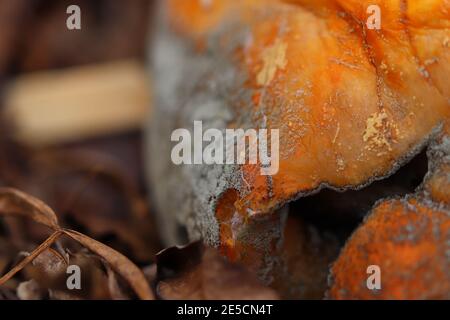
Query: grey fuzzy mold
point(188, 88)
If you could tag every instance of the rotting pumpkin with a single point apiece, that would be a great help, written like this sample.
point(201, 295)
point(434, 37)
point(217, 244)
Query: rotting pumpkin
point(408, 238)
point(352, 105)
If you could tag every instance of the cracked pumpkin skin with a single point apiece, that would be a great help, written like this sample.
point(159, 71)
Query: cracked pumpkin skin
point(352, 104)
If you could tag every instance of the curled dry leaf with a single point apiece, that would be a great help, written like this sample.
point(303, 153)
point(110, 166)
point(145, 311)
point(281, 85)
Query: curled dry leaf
point(14, 202)
point(198, 272)
point(18, 203)
point(115, 289)
point(118, 262)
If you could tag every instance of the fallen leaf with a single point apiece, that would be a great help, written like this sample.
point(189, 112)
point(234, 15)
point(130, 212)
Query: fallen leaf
point(14, 202)
point(115, 289)
point(118, 262)
point(18, 203)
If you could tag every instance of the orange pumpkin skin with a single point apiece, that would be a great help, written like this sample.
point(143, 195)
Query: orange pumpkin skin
point(407, 238)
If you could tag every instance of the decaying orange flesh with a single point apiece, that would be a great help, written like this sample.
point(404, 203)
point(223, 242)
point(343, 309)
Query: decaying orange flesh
point(437, 183)
point(350, 103)
point(408, 240)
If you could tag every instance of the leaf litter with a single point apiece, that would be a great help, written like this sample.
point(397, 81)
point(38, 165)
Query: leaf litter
point(15, 202)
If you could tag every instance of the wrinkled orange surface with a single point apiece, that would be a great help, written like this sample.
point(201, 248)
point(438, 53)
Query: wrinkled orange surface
point(437, 185)
point(408, 240)
point(350, 102)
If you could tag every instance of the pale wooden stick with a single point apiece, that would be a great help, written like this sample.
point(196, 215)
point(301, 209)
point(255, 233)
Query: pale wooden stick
point(66, 105)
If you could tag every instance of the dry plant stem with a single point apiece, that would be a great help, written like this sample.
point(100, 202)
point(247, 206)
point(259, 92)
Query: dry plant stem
point(28, 259)
point(14, 202)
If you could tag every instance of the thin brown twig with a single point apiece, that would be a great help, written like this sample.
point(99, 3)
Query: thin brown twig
point(36, 252)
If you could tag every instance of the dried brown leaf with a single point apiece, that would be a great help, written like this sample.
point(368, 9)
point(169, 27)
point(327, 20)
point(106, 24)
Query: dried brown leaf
point(115, 289)
point(118, 262)
point(18, 203)
point(14, 202)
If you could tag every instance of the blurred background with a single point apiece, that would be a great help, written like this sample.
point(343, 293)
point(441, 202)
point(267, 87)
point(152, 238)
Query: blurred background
point(72, 108)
